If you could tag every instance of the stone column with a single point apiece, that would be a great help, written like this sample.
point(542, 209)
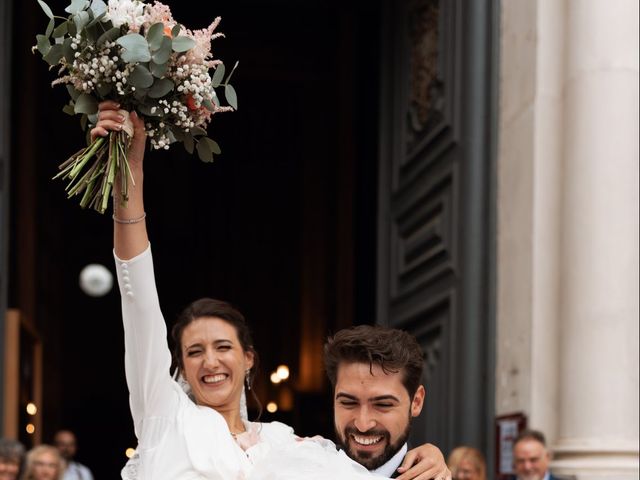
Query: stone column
point(598, 418)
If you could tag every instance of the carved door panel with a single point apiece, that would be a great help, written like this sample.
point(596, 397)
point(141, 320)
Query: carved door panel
point(434, 268)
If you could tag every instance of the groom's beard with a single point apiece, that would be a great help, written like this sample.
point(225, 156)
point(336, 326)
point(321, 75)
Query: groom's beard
point(371, 460)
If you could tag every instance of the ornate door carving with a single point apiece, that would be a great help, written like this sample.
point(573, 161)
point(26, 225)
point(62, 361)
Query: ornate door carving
point(435, 216)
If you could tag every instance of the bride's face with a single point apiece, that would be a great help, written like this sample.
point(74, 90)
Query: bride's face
point(214, 363)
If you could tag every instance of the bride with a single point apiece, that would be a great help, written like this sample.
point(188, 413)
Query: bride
point(198, 433)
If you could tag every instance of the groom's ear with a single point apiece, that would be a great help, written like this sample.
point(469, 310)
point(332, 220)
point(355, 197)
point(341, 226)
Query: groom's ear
point(418, 401)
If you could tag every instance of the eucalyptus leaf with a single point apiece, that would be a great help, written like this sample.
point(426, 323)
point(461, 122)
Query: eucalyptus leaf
point(81, 19)
point(213, 145)
point(93, 118)
point(91, 32)
point(163, 52)
point(61, 30)
point(158, 71)
point(47, 10)
point(188, 143)
point(68, 52)
point(171, 137)
point(197, 131)
point(104, 89)
point(71, 26)
point(140, 77)
point(140, 94)
point(145, 109)
point(54, 54)
point(136, 48)
point(73, 93)
point(96, 19)
point(86, 104)
point(43, 44)
point(76, 6)
point(175, 31)
point(109, 36)
point(230, 95)
point(83, 122)
point(208, 105)
point(218, 75)
point(155, 35)
point(204, 152)
point(98, 7)
point(50, 27)
point(232, 70)
point(160, 88)
point(68, 109)
point(177, 133)
point(182, 44)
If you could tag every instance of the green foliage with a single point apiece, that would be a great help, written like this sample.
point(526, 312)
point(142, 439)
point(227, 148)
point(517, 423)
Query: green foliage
point(141, 77)
point(206, 148)
point(136, 48)
point(61, 30)
point(230, 95)
point(182, 44)
point(43, 44)
point(54, 54)
point(158, 71)
point(86, 104)
point(163, 52)
point(161, 86)
point(76, 6)
point(46, 9)
point(218, 75)
point(155, 34)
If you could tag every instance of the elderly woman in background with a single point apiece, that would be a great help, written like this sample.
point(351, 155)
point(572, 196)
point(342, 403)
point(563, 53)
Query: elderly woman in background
point(467, 463)
point(11, 455)
point(43, 463)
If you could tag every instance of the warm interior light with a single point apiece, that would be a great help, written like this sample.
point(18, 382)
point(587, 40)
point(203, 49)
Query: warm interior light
point(130, 452)
point(30, 428)
point(31, 408)
point(272, 407)
point(283, 372)
point(275, 378)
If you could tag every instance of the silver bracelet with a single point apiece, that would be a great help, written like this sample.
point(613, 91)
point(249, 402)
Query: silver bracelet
point(129, 221)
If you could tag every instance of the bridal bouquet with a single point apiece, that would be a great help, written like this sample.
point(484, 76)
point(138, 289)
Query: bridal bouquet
point(137, 55)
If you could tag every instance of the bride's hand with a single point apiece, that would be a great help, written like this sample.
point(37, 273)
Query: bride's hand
point(109, 119)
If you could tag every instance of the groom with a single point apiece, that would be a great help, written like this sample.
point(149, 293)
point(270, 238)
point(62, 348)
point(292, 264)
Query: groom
point(375, 373)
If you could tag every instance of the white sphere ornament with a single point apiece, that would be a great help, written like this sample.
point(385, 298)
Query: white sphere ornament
point(96, 280)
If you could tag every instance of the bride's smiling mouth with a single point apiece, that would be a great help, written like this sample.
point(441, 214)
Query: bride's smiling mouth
point(214, 380)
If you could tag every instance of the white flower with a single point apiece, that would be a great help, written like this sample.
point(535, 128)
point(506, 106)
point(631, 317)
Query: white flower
point(125, 12)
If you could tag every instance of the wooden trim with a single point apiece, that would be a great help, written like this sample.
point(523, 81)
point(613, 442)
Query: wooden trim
point(11, 373)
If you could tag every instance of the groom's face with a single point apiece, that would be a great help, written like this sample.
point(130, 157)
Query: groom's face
point(372, 412)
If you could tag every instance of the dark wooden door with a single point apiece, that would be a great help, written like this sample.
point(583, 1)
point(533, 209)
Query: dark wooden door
point(435, 248)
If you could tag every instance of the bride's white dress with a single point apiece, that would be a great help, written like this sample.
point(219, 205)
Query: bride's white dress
point(179, 440)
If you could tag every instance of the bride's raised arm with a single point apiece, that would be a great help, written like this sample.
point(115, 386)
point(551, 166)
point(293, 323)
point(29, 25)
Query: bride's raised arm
point(147, 356)
point(130, 231)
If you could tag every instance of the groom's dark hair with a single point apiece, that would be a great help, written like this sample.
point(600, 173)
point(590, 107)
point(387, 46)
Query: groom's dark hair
point(391, 349)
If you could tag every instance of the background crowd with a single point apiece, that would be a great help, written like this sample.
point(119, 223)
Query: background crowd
point(56, 462)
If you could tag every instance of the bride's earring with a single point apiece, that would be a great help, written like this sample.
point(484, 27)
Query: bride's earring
point(247, 380)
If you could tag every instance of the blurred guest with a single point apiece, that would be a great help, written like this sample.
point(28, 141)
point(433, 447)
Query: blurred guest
point(44, 462)
point(66, 443)
point(531, 457)
point(11, 456)
point(467, 463)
